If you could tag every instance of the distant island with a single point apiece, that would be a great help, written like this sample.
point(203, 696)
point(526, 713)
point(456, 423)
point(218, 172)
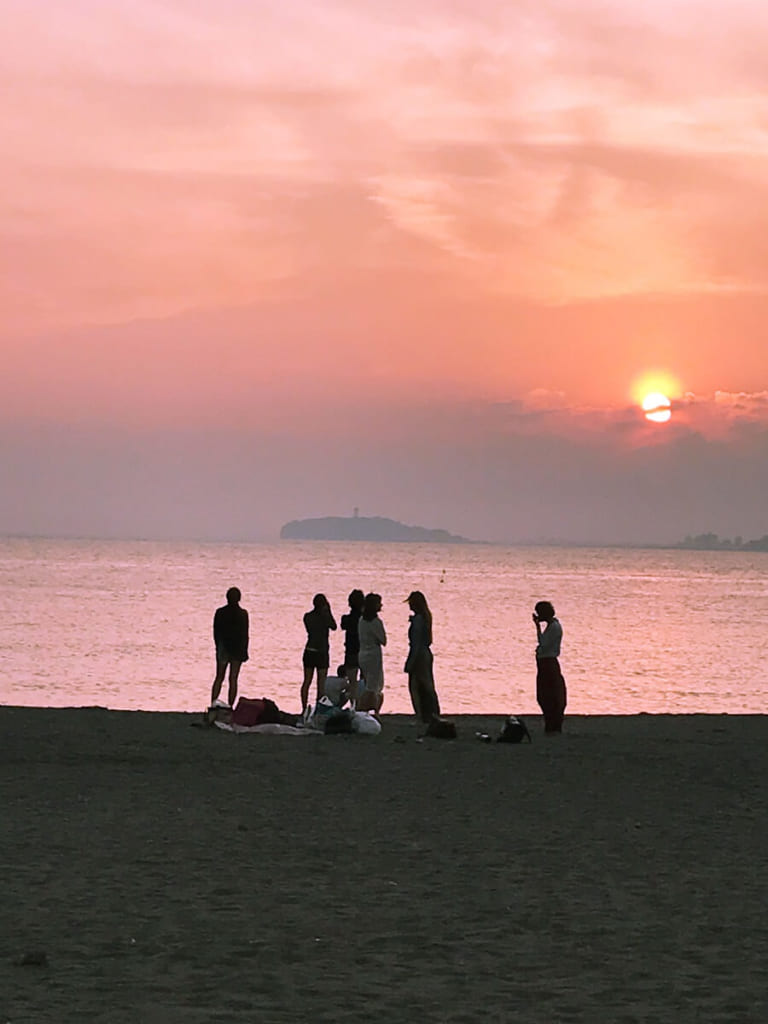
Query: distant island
point(370, 528)
point(711, 542)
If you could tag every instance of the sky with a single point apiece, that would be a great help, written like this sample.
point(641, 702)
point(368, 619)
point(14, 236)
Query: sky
point(263, 261)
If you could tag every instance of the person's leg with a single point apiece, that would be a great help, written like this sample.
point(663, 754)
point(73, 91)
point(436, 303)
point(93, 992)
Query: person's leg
point(308, 673)
point(560, 699)
point(350, 674)
point(413, 690)
point(322, 675)
point(221, 669)
point(425, 682)
point(379, 701)
point(550, 694)
point(367, 701)
point(234, 673)
point(430, 685)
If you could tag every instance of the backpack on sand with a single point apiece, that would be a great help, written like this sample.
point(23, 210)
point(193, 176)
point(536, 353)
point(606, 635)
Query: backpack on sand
point(514, 730)
point(338, 724)
point(440, 729)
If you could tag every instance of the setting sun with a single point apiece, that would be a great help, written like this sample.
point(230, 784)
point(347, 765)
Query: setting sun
point(657, 407)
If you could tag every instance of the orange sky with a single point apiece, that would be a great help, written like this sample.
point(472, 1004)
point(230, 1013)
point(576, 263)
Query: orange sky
point(254, 213)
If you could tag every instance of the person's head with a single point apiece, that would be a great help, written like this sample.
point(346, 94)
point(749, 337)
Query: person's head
point(233, 595)
point(545, 610)
point(356, 599)
point(319, 602)
point(371, 606)
point(341, 671)
point(418, 605)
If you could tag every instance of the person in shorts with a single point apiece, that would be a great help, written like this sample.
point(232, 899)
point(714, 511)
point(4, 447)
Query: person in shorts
point(230, 638)
point(316, 658)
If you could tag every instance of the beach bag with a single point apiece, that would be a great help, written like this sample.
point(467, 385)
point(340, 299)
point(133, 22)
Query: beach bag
point(441, 730)
point(248, 712)
point(338, 724)
point(365, 724)
point(514, 730)
point(323, 710)
point(255, 711)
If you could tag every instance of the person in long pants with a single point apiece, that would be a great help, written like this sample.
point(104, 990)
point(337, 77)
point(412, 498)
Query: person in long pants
point(419, 664)
point(551, 692)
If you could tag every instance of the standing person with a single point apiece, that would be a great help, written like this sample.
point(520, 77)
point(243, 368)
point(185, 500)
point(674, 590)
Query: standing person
point(316, 658)
point(349, 624)
point(230, 637)
point(372, 638)
point(421, 680)
point(550, 685)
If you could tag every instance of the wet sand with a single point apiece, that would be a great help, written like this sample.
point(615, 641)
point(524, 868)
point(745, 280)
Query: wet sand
point(177, 874)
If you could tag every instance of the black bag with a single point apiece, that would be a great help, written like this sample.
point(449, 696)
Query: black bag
point(514, 730)
point(441, 730)
point(338, 723)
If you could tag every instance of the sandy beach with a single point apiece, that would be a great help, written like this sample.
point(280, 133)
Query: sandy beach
point(166, 873)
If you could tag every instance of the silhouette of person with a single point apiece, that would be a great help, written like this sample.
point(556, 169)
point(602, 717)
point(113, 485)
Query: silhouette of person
point(230, 637)
point(551, 693)
point(349, 623)
point(418, 665)
point(337, 688)
point(372, 638)
point(316, 658)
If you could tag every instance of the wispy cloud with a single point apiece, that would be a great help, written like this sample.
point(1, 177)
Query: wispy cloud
point(554, 151)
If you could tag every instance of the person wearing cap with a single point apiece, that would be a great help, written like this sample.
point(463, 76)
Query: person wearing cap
point(418, 665)
point(230, 637)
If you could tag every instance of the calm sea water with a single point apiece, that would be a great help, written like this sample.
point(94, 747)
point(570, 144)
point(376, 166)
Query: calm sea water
point(128, 624)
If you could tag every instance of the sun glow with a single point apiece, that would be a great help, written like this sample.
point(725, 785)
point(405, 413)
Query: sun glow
point(657, 407)
point(654, 392)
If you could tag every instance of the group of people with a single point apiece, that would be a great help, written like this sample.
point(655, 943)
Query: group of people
point(363, 669)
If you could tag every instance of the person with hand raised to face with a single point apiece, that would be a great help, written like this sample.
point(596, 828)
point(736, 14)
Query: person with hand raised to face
point(551, 692)
point(316, 658)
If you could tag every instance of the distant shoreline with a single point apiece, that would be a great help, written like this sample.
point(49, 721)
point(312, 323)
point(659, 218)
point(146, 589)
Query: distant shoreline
point(746, 548)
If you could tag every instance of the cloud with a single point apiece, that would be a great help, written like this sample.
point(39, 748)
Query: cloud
point(555, 152)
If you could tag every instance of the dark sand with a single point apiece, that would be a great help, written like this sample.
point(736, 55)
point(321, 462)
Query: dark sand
point(174, 874)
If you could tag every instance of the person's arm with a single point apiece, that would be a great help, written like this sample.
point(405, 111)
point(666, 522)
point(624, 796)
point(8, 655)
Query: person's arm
point(381, 634)
point(216, 627)
point(330, 621)
point(246, 627)
point(537, 624)
point(547, 642)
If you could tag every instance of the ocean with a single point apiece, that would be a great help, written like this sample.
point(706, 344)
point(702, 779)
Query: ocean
point(127, 624)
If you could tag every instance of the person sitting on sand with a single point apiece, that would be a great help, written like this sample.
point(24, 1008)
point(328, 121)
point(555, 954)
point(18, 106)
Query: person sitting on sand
point(349, 623)
point(337, 688)
point(372, 638)
point(316, 657)
point(551, 693)
point(230, 637)
point(421, 680)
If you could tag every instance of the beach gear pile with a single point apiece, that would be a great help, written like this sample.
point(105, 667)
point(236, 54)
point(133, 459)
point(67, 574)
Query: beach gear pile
point(262, 715)
point(330, 719)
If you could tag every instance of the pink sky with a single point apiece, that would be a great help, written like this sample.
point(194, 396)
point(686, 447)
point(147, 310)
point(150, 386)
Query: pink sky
point(262, 222)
